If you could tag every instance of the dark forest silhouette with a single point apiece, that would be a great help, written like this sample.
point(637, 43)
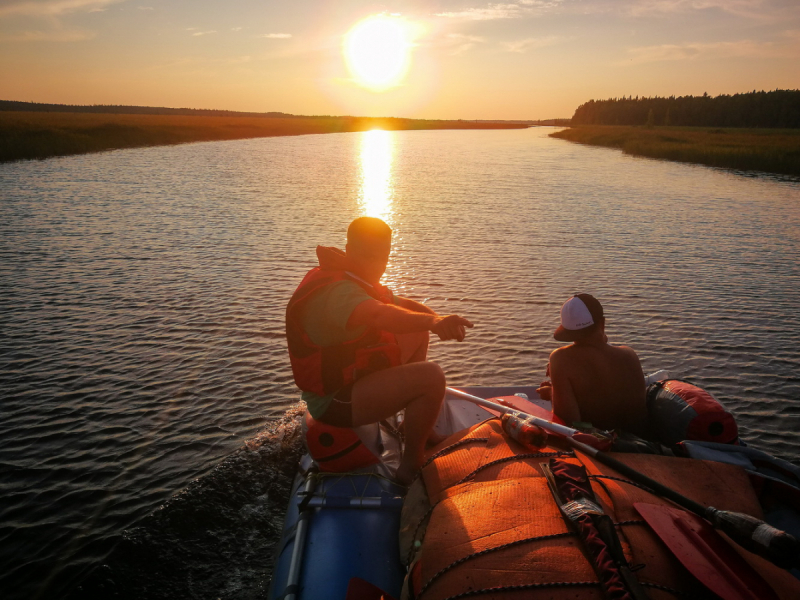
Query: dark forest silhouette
point(775, 109)
point(118, 109)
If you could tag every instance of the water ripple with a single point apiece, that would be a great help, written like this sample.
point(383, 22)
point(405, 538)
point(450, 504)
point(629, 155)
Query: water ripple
point(142, 296)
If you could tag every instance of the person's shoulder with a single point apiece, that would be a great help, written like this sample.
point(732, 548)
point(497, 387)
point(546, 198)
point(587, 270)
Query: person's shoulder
point(334, 294)
point(562, 354)
point(625, 349)
point(344, 297)
point(345, 287)
point(628, 352)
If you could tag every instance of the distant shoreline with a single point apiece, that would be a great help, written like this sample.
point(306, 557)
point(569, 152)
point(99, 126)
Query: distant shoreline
point(770, 150)
point(44, 134)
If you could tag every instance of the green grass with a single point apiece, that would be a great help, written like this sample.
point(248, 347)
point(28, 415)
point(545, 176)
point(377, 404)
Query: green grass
point(31, 135)
point(770, 150)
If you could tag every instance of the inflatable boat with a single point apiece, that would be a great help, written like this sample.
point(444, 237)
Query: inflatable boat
point(504, 509)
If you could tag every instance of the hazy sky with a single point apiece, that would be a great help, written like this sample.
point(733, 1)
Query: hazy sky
point(469, 59)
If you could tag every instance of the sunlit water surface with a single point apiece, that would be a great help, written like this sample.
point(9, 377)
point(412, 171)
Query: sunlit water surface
point(143, 292)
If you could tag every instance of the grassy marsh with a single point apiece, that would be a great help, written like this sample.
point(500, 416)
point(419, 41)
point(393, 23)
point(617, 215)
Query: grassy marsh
point(30, 135)
point(771, 150)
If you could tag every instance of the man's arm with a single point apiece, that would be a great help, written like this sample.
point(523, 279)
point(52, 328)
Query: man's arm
point(397, 319)
point(450, 327)
point(413, 305)
point(565, 404)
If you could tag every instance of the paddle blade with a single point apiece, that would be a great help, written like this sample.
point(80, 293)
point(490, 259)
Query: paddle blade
point(705, 554)
point(360, 589)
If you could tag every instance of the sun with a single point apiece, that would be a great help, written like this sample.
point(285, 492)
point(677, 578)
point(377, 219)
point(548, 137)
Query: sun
point(377, 51)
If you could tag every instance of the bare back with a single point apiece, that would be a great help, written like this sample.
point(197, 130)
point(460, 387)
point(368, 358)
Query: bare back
point(603, 384)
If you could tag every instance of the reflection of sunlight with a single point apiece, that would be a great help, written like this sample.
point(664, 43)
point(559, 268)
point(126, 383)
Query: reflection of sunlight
point(377, 149)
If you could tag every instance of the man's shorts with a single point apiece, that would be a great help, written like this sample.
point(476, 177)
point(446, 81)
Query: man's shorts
point(340, 410)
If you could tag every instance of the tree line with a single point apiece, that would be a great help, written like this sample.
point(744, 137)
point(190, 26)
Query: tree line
point(775, 109)
point(115, 109)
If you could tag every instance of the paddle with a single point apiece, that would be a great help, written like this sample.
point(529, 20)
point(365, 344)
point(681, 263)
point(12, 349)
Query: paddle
point(752, 534)
point(705, 554)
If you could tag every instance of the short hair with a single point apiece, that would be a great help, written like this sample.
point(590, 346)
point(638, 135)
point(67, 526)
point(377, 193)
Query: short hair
point(366, 229)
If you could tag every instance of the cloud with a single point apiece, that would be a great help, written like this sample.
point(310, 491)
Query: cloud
point(236, 28)
point(145, 8)
point(50, 8)
point(276, 36)
point(792, 34)
point(750, 9)
point(676, 6)
point(199, 33)
point(531, 44)
point(48, 36)
point(488, 13)
point(460, 43)
point(492, 12)
point(712, 50)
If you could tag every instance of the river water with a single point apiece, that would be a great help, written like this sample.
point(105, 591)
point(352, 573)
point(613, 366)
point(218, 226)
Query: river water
point(142, 295)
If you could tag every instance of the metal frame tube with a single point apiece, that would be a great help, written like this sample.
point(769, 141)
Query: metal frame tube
point(296, 562)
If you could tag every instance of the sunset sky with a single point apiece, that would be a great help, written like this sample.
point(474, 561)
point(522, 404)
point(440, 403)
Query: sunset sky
point(529, 59)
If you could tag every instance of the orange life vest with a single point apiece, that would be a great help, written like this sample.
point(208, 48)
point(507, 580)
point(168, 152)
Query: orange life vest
point(324, 370)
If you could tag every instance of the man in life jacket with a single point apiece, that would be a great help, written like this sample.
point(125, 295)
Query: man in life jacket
point(359, 352)
point(593, 381)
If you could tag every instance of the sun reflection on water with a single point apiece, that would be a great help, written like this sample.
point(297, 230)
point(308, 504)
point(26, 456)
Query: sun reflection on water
point(377, 191)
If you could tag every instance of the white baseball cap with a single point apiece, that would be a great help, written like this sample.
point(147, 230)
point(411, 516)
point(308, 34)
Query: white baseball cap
point(580, 316)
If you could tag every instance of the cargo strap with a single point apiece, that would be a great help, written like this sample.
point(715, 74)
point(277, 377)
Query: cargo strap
point(573, 493)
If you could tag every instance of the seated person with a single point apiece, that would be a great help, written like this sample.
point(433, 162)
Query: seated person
point(359, 352)
point(593, 381)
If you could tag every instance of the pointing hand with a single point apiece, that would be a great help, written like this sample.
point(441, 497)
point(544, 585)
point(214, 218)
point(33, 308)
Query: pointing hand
point(451, 327)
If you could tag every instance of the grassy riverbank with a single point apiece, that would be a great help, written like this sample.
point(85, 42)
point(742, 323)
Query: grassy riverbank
point(771, 150)
point(25, 135)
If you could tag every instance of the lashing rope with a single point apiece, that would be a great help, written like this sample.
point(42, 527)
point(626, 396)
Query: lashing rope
point(464, 559)
point(672, 591)
point(453, 446)
point(562, 584)
point(524, 586)
point(559, 454)
point(416, 531)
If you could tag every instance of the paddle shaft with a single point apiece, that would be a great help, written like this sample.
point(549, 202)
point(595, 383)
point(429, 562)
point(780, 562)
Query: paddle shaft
point(773, 544)
point(753, 534)
point(549, 425)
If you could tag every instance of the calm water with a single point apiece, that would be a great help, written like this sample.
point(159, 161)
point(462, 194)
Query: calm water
point(142, 296)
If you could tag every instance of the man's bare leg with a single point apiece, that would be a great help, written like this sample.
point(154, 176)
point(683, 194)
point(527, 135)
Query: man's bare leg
point(418, 388)
point(414, 348)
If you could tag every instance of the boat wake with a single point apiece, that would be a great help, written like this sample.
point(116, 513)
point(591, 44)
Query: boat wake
point(216, 538)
